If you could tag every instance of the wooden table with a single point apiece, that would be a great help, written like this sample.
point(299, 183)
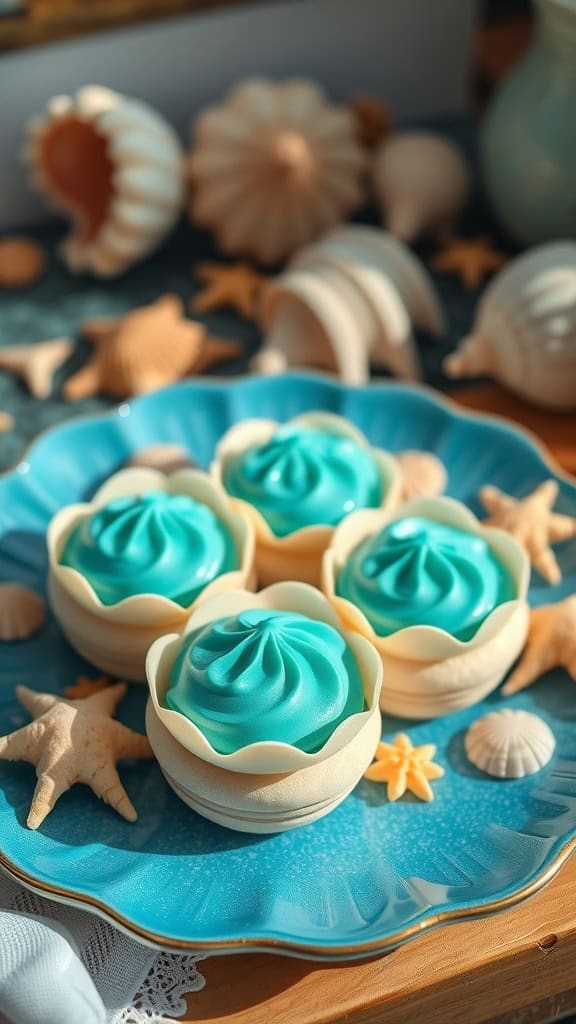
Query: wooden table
point(517, 967)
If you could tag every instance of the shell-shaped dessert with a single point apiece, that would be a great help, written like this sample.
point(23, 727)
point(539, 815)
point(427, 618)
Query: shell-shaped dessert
point(421, 180)
point(509, 744)
point(525, 328)
point(116, 168)
point(274, 167)
point(22, 612)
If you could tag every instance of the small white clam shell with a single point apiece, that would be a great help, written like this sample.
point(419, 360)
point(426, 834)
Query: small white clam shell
point(22, 612)
point(509, 744)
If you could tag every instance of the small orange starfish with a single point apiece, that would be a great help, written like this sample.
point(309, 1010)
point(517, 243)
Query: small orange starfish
point(532, 523)
point(373, 119)
point(405, 767)
point(85, 687)
point(551, 642)
point(236, 285)
point(471, 258)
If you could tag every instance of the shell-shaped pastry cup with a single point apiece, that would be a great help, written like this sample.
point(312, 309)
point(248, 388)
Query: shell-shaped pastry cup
point(266, 757)
point(297, 555)
point(427, 671)
point(116, 637)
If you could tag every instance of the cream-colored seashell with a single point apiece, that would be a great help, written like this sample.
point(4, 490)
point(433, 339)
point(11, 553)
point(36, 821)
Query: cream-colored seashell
point(22, 612)
point(509, 744)
point(346, 302)
point(167, 458)
point(422, 181)
point(36, 364)
point(115, 166)
point(274, 167)
point(524, 333)
point(423, 474)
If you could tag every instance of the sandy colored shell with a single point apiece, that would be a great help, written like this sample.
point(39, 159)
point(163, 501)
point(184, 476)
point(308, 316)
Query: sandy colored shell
point(423, 474)
point(524, 333)
point(115, 167)
point(273, 167)
point(22, 262)
point(422, 181)
point(509, 744)
point(22, 612)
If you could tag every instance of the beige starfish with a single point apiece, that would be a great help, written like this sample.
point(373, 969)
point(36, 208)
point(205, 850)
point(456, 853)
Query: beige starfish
point(531, 521)
point(6, 422)
point(405, 767)
point(85, 687)
point(145, 349)
point(73, 741)
point(471, 258)
point(236, 285)
point(37, 363)
point(551, 643)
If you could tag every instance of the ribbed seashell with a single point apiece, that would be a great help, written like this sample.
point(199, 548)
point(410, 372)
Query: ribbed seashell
point(274, 167)
point(509, 744)
point(422, 181)
point(347, 301)
point(22, 612)
point(525, 328)
point(115, 167)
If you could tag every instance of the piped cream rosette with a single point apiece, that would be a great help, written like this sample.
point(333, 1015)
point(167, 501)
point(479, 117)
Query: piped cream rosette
point(264, 786)
point(296, 555)
point(116, 637)
point(427, 671)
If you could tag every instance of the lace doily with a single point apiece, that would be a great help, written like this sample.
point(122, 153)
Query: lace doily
point(137, 985)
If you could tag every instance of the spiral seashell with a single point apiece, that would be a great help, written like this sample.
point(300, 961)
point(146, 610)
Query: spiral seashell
point(115, 167)
point(274, 167)
point(509, 744)
point(525, 328)
point(22, 612)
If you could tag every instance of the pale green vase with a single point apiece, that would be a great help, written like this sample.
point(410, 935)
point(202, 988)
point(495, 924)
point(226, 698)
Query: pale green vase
point(528, 138)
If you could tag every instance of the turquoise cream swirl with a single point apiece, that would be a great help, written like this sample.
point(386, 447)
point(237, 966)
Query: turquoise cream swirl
point(302, 477)
point(419, 572)
point(265, 675)
point(155, 543)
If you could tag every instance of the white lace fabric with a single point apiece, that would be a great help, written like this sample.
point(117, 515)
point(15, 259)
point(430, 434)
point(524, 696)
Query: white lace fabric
point(137, 984)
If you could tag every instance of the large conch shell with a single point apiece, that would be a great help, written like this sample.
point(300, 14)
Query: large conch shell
point(274, 167)
point(115, 167)
point(422, 181)
point(525, 328)
point(348, 301)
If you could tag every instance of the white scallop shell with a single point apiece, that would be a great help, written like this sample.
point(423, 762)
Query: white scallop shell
point(421, 180)
point(143, 185)
point(525, 328)
point(509, 744)
point(273, 167)
point(22, 612)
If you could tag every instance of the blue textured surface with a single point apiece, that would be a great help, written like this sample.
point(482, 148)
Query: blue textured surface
point(370, 870)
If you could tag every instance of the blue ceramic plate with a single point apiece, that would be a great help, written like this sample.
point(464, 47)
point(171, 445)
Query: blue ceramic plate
point(368, 876)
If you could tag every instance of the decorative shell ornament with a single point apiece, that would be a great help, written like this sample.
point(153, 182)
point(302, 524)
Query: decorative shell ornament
point(22, 612)
point(423, 474)
point(422, 181)
point(525, 328)
point(274, 167)
point(348, 301)
point(116, 168)
point(509, 744)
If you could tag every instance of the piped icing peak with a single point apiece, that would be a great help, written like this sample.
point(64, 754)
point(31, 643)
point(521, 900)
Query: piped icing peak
point(302, 477)
point(154, 543)
point(417, 571)
point(265, 675)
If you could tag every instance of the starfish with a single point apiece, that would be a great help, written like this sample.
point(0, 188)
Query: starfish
point(471, 258)
point(533, 524)
point(73, 741)
point(236, 285)
point(551, 642)
point(145, 349)
point(37, 363)
point(373, 119)
point(85, 687)
point(405, 767)
point(6, 422)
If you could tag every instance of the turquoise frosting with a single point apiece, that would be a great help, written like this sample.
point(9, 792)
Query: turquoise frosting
point(419, 572)
point(303, 477)
point(265, 675)
point(155, 543)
